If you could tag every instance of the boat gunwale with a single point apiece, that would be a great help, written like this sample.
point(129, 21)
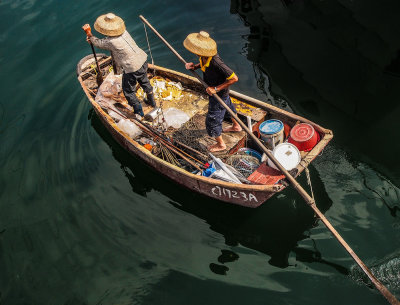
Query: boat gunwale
point(246, 187)
point(327, 135)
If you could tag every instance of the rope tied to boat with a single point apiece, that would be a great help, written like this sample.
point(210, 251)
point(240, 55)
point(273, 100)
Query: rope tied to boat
point(93, 67)
point(148, 44)
point(309, 182)
point(163, 123)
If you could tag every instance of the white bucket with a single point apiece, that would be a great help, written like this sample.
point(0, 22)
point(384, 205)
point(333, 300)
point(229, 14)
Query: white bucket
point(271, 132)
point(287, 155)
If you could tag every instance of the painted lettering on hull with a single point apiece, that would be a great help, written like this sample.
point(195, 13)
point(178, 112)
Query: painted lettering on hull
point(224, 192)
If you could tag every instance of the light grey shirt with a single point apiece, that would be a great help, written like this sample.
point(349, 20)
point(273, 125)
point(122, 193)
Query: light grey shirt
point(124, 50)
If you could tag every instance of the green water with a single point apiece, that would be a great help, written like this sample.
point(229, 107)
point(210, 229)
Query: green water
point(83, 222)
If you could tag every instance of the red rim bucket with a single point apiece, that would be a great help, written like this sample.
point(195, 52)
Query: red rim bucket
point(304, 137)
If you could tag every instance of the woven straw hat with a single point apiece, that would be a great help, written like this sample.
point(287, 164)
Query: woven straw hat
point(109, 25)
point(200, 44)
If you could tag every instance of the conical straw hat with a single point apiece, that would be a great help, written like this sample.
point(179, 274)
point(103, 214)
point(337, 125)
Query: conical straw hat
point(109, 25)
point(200, 44)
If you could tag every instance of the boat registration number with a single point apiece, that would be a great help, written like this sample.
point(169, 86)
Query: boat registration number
point(224, 192)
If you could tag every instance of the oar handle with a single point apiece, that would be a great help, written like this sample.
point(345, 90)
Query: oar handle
point(86, 27)
point(382, 289)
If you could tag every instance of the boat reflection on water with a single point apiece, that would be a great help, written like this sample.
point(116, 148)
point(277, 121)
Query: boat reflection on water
point(335, 62)
point(274, 229)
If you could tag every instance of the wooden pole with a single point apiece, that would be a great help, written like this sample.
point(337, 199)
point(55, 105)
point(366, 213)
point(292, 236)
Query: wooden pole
point(201, 155)
point(149, 131)
point(381, 288)
point(99, 76)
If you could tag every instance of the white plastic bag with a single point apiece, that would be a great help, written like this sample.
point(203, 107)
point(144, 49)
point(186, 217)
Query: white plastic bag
point(108, 94)
point(160, 85)
point(111, 86)
point(130, 128)
point(175, 117)
point(177, 85)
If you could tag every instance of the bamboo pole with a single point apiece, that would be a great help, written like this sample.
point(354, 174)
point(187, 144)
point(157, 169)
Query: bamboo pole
point(381, 288)
point(148, 130)
point(99, 76)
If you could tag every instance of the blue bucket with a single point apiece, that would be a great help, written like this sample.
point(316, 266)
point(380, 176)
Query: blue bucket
point(271, 132)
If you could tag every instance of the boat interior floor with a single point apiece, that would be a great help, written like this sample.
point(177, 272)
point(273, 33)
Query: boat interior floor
point(169, 94)
point(193, 133)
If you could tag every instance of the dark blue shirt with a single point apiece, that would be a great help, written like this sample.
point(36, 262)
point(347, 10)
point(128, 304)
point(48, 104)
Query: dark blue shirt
point(216, 73)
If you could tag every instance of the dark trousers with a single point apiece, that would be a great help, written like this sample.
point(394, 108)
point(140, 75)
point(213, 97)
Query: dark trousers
point(129, 81)
point(215, 115)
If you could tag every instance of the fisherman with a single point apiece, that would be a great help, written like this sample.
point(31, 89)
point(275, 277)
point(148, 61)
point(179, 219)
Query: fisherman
point(218, 76)
point(126, 55)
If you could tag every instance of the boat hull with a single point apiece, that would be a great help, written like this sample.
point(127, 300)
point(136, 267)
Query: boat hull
point(226, 192)
point(239, 194)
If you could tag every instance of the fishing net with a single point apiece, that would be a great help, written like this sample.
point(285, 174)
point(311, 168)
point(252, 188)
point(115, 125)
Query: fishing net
point(164, 153)
point(190, 133)
point(243, 163)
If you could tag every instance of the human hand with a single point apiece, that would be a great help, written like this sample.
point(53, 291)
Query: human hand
point(88, 31)
point(189, 66)
point(86, 27)
point(211, 91)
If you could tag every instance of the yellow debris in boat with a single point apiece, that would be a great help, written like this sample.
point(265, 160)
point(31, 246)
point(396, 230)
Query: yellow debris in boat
point(237, 102)
point(172, 94)
point(176, 93)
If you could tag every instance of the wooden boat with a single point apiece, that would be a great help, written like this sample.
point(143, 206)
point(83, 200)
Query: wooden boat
point(248, 195)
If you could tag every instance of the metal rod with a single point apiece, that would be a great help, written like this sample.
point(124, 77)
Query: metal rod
point(381, 288)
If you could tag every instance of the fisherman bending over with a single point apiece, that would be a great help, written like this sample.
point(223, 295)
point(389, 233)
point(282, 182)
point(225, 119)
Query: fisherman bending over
point(218, 76)
point(126, 55)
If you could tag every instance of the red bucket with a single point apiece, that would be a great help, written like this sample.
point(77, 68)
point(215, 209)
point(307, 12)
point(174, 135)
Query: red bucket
point(304, 137)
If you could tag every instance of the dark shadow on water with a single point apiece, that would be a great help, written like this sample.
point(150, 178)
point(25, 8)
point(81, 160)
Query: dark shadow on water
point(275, 228)
point(336, 63)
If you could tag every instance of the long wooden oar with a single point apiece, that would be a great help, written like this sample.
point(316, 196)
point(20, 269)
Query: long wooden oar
point(382, 289)
point(99, 76)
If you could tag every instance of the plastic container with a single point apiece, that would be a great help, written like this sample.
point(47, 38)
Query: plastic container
point(208, 171)
point(286, 130)
point(287, 155)
point(175, 117)
point(271, 132)
point(250, 152)
point(129, 128)
point(304, 137)
point(148, 146)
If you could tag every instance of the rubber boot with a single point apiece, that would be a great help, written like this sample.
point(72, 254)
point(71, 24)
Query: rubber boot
point(135, 103)
point(150, 99)
point(137, 108)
